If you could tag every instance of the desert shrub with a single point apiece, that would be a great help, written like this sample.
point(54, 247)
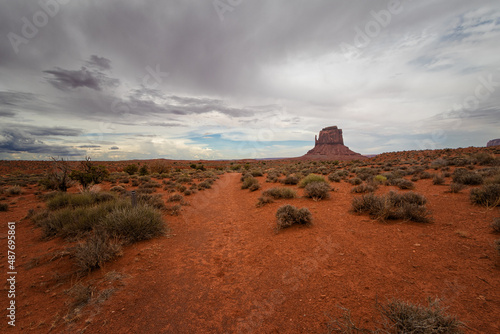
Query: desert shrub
point(272, 176)
point(409, 318)
point(364, 188)
point(402, 318)
point(456, 187)
point(355, 181)
point(142, 190)
point(292, 179)
point(496, 225)
point(256, 172)
point(144, 178)
point(135, 182)
point(144, 170)
point(184, 179)
point(464, 176)
point(380, 179)
point(95, 251)
point(207, 184)
point(311, 178)
point(131, 169)
point(425, 175)
point(483, 158)
point(280, 192)
point(288, 215)
point(4, 207)
point(487, 195)
point(439, 163)
point(86, 198)
point(187, 192)
point(408, 206)
point(263, 200)
point(437, 179)
point(159, 167)
point(89, 173)
point(334, 177)
point(173, 210)
point(404, 184)
point(250, 183)
point(57, 178)
point(175, 198)
point(133, 224)
point(118, 189)
point(14, 190)
point(317, 191)
point(154, 201)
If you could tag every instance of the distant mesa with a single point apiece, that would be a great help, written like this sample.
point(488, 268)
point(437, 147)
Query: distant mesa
point(330, 145)
point(493, 142)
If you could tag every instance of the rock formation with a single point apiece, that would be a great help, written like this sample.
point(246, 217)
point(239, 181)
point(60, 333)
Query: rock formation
point(493, 142)
point(330, 145)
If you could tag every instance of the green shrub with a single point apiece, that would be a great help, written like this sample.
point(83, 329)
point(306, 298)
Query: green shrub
point(288, 215)
point(143, 171)
point(280, 192)
point(95, 251)
point(256, 172)
point(131, 169)
point(154, 201)
point(89, 174)
point(487, 195)
point(133, 224)
point(380, 179)
point(86, 198)
point(317, 191)
point(311, 178)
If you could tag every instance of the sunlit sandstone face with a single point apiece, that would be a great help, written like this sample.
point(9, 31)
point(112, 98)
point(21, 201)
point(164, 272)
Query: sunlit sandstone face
point(330, 135)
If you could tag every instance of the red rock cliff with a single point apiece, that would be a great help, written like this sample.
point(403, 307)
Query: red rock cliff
point(330, 145)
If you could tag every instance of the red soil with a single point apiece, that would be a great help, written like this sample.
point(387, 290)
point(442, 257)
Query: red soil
point(224, 269)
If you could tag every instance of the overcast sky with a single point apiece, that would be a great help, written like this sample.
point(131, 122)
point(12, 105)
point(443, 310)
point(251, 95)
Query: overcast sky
point(223, 79)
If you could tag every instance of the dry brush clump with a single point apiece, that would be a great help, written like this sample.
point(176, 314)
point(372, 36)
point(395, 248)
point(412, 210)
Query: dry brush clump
point(403, 317)
point(317, 191)
point(289, 215)
point(310, 179)
point(407, 206)
point(487, 195)
point(280, 192)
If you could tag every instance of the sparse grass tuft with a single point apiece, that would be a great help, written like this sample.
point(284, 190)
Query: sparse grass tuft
point(364, 188)
point(95, 251)
point(437, 179)
point(250, 183)
point(263, 200)
point(14, 190)
point(456, 187)
point(289, 215)
point(409, 318)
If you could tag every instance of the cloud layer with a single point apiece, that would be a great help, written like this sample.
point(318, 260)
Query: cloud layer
point(191, 80)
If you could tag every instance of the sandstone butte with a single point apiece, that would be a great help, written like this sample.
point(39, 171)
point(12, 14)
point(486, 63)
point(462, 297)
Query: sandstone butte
point(493, 142)
point(330, 146)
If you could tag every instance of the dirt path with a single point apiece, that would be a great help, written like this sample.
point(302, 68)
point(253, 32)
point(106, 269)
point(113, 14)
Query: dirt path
point(225, 270)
